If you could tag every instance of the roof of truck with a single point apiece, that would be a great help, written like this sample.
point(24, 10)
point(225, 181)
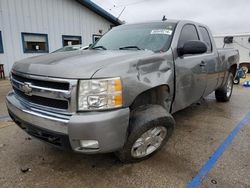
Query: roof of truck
point(233, 35)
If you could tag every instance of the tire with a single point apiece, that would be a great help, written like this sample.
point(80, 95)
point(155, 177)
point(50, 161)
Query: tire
point(237, 81)
point(146, 119)
point(224, 94)
point(245, 69)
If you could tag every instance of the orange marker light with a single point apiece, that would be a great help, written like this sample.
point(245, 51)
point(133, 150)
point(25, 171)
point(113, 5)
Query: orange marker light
point(118, 100)
point(118, 86)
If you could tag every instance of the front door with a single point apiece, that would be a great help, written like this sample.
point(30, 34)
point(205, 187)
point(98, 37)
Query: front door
point(190, 72)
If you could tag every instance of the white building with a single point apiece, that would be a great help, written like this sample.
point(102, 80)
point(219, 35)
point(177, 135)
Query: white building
point(237, 41)
point(35, 27)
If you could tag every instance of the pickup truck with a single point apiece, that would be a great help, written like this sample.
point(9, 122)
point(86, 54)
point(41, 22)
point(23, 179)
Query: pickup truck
point(119, 95)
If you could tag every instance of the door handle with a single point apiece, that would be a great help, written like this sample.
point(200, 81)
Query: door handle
point(203, 64)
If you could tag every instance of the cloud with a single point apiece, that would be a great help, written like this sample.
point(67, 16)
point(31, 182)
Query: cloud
point(223, 16)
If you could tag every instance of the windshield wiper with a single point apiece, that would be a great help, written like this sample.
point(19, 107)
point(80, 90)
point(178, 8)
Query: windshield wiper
point(102, 47)
point(130, 47)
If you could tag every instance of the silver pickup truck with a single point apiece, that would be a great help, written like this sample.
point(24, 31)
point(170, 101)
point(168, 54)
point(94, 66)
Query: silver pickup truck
point(118, 96)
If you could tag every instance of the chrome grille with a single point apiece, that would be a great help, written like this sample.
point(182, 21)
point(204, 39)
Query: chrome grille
point(42, 83)
point(45, 92)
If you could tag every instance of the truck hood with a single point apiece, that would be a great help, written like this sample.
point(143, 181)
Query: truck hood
point(77, 64)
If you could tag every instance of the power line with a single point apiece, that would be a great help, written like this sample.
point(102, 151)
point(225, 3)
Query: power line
point(128, 4)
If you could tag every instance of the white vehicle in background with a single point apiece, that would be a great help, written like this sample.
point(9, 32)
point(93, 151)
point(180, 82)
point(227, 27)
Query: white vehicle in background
point(237, 41)
point(71, 48)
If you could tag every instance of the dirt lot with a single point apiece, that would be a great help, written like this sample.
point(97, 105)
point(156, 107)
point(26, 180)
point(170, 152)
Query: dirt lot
point(200, 130)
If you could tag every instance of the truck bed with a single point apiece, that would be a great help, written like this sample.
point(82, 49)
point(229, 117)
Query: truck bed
point(228, 54)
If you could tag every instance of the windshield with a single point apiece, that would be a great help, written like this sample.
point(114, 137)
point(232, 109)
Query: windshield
point(151, 36)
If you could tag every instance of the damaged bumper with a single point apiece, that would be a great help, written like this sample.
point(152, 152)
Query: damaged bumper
point(106, 129)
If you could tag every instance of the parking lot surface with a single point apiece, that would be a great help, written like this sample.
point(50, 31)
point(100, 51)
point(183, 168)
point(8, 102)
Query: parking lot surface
point(200, 130)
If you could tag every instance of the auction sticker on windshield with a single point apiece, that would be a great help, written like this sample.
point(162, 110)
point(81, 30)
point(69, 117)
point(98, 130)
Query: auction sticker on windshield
point(161, 32)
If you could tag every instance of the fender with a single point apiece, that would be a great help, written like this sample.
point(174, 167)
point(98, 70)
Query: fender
point(145, 77)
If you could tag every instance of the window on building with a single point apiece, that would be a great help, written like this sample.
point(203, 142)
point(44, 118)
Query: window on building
point(71, 40)
point(188, 33)
point(35, 43)
point(1, 43)
point(206, 38)
point(96, 37)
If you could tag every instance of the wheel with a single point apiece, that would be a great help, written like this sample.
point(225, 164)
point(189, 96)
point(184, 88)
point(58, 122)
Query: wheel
point(150, 128)
point(236, 80)
point(224, 94)
point(245, 69)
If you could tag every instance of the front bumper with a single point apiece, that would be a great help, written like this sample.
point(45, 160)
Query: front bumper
point(109, 128)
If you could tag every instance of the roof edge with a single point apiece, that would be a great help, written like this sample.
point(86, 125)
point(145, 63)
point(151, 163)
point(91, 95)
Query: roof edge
point(246, 34)
point(100, 11)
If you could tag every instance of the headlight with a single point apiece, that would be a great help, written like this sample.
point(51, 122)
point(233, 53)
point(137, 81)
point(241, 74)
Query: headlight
point(98, 94)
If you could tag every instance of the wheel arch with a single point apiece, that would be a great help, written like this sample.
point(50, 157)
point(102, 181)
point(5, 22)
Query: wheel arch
point(159, 95)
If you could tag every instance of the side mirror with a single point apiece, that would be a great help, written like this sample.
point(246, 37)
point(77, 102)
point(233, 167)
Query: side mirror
point(193, 47)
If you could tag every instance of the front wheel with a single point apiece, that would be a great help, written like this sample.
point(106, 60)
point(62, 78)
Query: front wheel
point(150, 128)
point(224, 94)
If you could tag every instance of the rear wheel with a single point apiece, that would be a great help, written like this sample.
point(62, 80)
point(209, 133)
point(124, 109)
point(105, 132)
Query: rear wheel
point(237, 80)
point(224, 94)
point(245, 69)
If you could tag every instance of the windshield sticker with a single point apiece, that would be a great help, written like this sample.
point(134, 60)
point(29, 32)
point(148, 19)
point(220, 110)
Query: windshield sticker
point(161, 32)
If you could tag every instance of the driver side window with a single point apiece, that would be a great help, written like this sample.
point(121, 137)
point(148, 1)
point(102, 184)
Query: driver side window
point(188, 33)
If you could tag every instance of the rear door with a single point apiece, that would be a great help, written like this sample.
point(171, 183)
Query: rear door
point(190, 71)
point(211, 60)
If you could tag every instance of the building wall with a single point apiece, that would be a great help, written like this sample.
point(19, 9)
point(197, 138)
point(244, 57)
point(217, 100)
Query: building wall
point(240, 42)
point(52, 17)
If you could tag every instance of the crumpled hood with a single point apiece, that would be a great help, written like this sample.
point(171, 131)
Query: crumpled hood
point(76, 64)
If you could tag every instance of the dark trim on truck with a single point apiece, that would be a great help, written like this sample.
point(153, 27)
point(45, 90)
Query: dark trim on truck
point(58, 140)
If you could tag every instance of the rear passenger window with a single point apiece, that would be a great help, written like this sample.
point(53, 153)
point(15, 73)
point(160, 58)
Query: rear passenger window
point(188, 33)
point(206, 38)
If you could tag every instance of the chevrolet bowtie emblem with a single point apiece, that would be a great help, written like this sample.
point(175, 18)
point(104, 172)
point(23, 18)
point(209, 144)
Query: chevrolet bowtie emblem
point(27, 89)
